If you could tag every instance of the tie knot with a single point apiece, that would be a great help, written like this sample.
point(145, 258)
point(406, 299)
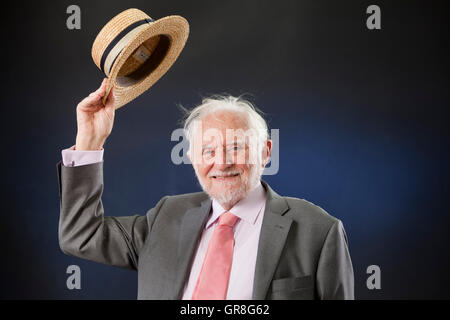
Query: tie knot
point(227, 219)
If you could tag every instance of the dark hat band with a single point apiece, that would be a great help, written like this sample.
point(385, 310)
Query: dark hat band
point(116, 40)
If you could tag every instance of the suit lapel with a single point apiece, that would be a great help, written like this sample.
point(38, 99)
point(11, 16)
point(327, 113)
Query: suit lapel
point(191, 230)
point(274, 230)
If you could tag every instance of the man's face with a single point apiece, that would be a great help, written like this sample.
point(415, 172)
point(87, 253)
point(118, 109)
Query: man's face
point(226, 157)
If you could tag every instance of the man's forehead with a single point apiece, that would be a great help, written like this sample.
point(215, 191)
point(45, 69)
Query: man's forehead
point(222, 128)
point(227, 135)
point(213, 143)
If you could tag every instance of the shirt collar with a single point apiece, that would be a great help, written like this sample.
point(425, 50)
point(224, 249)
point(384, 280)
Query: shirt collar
point(246, 209)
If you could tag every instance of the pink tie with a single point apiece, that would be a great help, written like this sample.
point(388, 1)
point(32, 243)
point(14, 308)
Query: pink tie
point(212, 284)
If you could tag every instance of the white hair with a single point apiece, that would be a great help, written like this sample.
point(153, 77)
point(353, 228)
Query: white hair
point(230, 103)
point(259, 136)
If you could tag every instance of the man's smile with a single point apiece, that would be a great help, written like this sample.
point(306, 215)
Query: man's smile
point(228, 176)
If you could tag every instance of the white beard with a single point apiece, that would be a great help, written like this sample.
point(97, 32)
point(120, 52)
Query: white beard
point(231, 196)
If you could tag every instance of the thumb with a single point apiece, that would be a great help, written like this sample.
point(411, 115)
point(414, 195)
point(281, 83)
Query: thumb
point(110, 102)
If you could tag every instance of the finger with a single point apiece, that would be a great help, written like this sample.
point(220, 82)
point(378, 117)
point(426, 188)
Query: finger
point(94, 96)
point(92, 100)
point(110, 102)
point(100, 92)
point(103, 91)
point(103, 86)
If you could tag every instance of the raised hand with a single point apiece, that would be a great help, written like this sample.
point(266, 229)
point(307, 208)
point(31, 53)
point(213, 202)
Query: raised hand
point(95, 120)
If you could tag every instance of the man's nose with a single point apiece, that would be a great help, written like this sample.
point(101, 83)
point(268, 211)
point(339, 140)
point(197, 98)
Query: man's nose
point(223, 160)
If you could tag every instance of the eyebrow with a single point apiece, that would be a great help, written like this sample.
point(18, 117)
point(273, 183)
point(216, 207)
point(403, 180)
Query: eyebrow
point(241, 141)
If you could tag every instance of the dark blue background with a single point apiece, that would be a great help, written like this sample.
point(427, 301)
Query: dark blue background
point(362, 116)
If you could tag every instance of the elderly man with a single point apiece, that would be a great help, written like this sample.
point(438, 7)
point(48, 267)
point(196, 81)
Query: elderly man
point(238, 239)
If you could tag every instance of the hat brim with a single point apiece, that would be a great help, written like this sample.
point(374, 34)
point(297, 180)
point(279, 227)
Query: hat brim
point(173, 32)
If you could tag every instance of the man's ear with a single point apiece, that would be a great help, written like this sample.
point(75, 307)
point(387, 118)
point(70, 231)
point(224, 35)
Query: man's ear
point(266, 152)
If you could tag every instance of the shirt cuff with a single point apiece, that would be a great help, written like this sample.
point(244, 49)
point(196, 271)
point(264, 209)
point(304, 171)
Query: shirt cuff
point(75, 158)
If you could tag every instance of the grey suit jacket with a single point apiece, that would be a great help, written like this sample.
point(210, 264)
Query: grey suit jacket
point(302, 252)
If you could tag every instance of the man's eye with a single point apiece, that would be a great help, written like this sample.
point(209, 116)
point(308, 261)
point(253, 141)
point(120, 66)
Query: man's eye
point(207, 152)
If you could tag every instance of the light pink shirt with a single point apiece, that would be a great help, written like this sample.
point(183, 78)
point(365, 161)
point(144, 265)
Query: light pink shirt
point(74, 158)
point(246, 233)
point(246, 237)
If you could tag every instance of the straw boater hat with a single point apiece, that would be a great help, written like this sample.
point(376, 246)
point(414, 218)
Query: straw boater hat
point(134, 51)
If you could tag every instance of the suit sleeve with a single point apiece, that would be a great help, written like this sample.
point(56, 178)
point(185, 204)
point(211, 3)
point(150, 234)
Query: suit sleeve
point(334, 277)
point(85, 232)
